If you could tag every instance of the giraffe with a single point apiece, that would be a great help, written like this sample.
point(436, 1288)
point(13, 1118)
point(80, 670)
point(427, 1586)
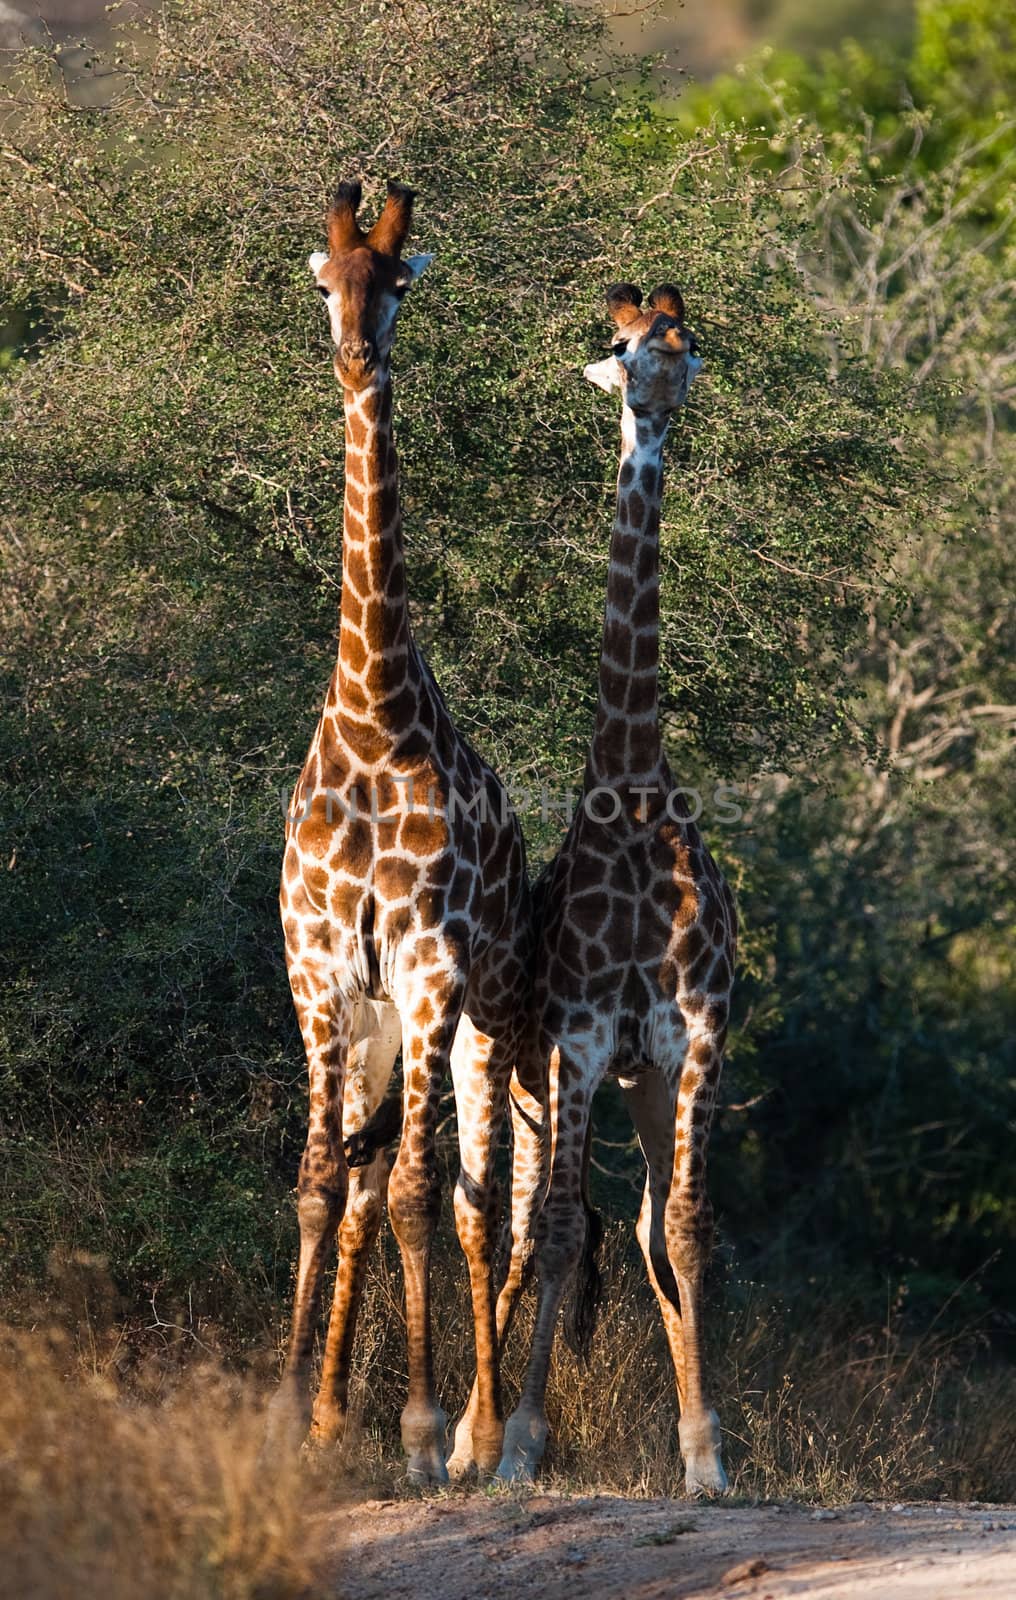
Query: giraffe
point(405, 906)
point(637, 933)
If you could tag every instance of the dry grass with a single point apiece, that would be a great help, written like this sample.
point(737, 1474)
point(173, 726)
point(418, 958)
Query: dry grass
point(813, 1408)
point(129, 1459)
point(105, 1495)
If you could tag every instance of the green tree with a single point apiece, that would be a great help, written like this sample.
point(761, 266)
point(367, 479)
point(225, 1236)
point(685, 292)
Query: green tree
point(948, 93)
point(171, 461)
point(888, 1075)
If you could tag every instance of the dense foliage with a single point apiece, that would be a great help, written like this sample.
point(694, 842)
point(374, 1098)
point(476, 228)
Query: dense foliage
point(889, 1074)
point(171, 458)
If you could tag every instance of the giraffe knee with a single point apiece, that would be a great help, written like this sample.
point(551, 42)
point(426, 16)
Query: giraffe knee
point(689, 1235)
point(474, 1215)
point(475, 1198)
point(653, 1244)
point(322, 1173)
point(414, 1203)
point(318, 1211)
point(361, 1219)
point(561, 1234)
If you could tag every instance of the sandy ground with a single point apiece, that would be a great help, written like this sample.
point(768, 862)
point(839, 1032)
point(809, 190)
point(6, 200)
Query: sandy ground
point(498, 1547)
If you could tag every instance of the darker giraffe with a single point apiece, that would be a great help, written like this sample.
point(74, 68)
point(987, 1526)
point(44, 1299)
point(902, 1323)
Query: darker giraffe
point(636, 949)
point(405, 906)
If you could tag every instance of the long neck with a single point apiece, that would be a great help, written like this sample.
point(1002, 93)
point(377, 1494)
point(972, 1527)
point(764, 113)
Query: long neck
point(376, 651)
point(626, 740)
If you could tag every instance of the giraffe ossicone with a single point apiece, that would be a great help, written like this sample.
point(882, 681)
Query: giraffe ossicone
point(407, 922)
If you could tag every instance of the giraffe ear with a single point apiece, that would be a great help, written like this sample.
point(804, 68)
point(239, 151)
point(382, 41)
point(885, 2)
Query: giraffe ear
point(416, 266)
point(604, 374)
point(316, 261)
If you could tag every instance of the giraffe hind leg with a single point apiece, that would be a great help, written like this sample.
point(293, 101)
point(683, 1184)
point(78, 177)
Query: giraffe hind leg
point(530, 1161)
point(560, 1235)
point(675, 1231)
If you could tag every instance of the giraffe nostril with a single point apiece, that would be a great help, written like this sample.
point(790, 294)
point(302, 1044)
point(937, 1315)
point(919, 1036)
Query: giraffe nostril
point(357, 356)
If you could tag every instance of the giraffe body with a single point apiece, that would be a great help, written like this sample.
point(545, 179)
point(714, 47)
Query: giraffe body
point(636, 940)
point(405, 906)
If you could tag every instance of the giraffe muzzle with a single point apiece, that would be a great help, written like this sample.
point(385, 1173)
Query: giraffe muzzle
point(356, 361)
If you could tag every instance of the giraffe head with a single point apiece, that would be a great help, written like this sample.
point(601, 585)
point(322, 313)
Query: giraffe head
point(654, 357)
point(363, 278)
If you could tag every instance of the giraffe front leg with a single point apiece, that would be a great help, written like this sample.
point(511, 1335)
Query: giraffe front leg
point(414, 1201)
point(530, 1161)
point(688, 1226)
point(368, 1071)
point(480, 1069)
point(321, 1195)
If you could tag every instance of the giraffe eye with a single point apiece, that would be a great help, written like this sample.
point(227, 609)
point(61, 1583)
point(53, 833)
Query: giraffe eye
point(620, 348)
point(323, 289)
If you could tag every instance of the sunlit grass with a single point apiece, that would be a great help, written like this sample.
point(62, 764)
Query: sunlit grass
point(131, 1455)
point(105, 1495)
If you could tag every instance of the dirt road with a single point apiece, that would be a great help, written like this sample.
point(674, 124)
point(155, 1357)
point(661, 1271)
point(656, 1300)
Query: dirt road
point(499, 1547)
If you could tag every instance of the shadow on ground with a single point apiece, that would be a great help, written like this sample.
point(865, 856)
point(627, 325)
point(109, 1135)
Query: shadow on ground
point(492, 1547)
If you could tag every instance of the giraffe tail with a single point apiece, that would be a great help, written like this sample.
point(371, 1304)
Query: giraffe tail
point(587, 1292)
point(382, 1128)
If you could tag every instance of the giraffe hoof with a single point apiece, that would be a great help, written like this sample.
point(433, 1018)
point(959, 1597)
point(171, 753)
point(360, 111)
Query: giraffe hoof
point(700, 1447)
point(705, 1478)
point(461, 1461)
point(461, 1468)
point(426, 1471)
point(326, 1429)
point(524, 1439)
point(285, 1424)
point(423, 1439)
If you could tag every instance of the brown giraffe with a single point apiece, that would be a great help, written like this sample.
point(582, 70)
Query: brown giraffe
point(405, 905)
point(636, 949)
